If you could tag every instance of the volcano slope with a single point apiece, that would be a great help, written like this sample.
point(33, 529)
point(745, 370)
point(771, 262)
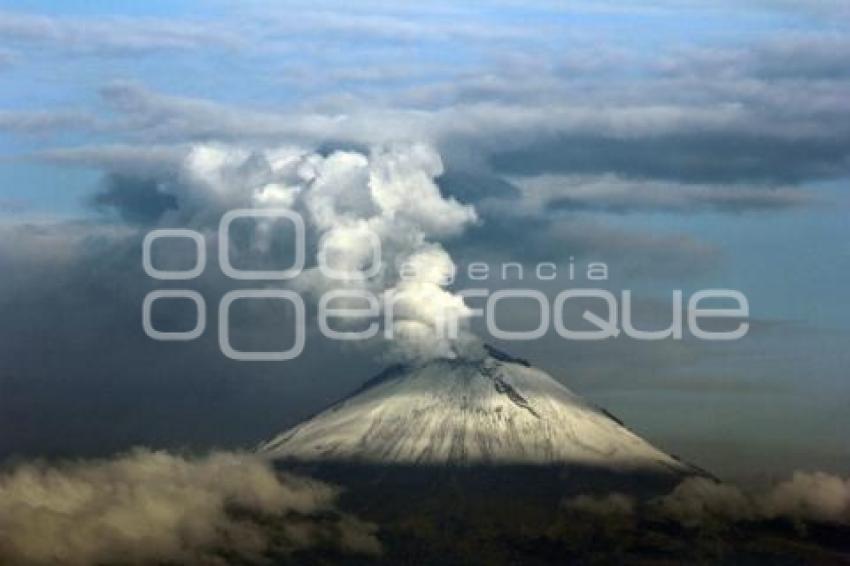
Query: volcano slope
point(491, 461)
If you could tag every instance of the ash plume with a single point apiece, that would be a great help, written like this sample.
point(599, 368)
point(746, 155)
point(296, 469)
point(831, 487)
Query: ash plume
point(349, 200)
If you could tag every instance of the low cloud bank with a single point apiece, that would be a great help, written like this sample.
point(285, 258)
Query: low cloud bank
point(695, 502)
point(150, 507)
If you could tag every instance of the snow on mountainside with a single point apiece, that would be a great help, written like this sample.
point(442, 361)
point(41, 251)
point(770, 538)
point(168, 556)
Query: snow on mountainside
point(497, 410)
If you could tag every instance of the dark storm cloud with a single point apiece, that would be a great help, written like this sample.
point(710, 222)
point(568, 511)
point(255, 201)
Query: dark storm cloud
point(618, 195)
point(787, 57)
point(73, 355)
point(722, 201)
point(733, 157)
point(708, 118)
point(473, 187)
point(138, 201)
point(773, 112)
point(805, 58)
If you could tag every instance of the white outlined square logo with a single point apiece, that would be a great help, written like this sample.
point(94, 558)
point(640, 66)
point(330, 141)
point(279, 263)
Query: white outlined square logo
point(200, 309)
point(169, 275)
point(224, 325)
point(245, 274)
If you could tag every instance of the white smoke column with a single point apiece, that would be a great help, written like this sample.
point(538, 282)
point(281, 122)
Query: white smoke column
point(345, 196)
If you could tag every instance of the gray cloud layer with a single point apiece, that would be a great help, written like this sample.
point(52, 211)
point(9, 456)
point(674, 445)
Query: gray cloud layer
point(111, 35)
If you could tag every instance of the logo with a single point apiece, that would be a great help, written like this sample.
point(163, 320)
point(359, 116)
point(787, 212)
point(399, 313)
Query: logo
point(379, 306)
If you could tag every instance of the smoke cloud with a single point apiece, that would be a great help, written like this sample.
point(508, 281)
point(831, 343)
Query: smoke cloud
point(148, 506)
point(351, 201)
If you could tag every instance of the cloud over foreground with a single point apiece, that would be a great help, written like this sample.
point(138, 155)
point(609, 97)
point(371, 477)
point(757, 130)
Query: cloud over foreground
point(699, 501)
point(152, 507)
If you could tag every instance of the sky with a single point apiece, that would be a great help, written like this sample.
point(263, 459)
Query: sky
point(688, 145)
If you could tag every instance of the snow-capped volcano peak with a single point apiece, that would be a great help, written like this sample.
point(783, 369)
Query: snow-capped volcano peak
point(491, 411)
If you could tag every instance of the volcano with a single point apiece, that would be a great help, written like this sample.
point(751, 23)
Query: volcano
point(475, 461)
point(495, 411)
